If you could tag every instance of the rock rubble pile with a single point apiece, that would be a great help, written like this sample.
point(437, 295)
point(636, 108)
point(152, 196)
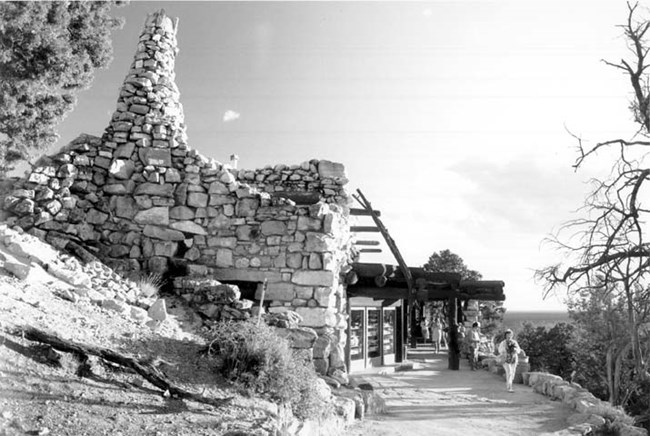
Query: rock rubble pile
point(28, 258)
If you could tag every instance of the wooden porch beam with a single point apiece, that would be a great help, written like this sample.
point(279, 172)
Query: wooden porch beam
point(363, 212)
point(366, 242)
point(359, 229)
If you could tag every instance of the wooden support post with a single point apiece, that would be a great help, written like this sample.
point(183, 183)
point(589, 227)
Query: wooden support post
point(400, 340)
point(348, 312)
point(453, 346)
point(413, 323)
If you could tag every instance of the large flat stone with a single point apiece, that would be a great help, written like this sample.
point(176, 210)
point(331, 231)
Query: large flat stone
point(158, 310)
point(124, 150)
point(94, 216)
point(165, 190)
point(155, 156)
point(163, 233)
point(224, 258)
point(331, 170)
point(155, 215)
point(319, 242)
point(181, 213)
point(122, 169)
point(313, 278)
point(325, 296)
point(188, 227)
point(279, 291)
point(197, 199)
point(246, 275)
point(125, 207)
point(247, 207)
point(317, 316)
point(273, 228)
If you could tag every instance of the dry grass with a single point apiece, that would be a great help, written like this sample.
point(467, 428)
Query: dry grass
point(150, 285)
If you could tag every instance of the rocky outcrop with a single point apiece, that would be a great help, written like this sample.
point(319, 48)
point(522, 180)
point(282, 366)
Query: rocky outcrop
point(30, 259)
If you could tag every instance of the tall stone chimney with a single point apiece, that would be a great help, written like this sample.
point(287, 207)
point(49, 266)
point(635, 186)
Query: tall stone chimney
point(148, 120)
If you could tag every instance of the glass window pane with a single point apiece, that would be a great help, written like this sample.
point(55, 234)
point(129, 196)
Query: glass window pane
point(356, 334)
point(373, 333)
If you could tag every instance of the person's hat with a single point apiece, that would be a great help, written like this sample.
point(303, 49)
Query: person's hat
point(508, 331)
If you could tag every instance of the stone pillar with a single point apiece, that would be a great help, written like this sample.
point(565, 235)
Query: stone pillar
point(144, 146)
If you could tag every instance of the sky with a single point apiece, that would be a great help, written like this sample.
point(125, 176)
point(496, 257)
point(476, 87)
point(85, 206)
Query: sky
point(452, 117)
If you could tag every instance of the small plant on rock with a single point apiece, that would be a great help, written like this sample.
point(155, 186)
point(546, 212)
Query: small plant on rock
point(259, 361)
point(149, 285)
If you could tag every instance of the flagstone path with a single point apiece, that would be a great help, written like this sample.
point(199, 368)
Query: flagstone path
point(432, 400)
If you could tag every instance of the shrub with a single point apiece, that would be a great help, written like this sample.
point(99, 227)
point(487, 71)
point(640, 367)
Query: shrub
point(548, 350)
point(150, 285)
point(259, 361)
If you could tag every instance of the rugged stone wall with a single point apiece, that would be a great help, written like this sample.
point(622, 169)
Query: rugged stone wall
point(142, 201)
point(591, 413)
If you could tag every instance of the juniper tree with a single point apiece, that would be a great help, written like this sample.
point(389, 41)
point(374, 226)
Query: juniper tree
point(49, 51)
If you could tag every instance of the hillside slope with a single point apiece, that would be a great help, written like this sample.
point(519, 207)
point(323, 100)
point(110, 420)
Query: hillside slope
point(39, 398)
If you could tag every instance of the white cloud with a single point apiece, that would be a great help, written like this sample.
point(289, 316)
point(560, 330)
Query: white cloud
point(230, 115)
point(521, 195)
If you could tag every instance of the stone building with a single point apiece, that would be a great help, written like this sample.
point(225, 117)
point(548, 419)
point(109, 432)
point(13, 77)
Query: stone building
point(142, 200)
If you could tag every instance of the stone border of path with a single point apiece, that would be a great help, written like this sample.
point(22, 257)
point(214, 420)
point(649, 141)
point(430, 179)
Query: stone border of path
point(591, 413)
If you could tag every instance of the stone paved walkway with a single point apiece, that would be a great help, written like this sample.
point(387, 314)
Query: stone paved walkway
point(432, 400)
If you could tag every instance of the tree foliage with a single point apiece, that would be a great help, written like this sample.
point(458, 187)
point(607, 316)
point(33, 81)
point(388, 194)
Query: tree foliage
point(491, 312)
point(549, 350)
point(446, 261)
point(49, 51)
point(601, 330)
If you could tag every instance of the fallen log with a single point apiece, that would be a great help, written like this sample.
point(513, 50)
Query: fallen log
point(146, 370)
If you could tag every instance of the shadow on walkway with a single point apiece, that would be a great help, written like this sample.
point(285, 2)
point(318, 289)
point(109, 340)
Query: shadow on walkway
point(433, 400)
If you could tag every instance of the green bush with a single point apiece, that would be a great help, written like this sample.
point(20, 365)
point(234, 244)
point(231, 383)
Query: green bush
point(548, 350)
point(259, 361)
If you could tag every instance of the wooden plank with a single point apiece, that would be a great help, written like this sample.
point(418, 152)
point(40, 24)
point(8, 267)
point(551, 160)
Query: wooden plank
point(363, 212)
point(468, 284)
point(393, 272)
point(363, 201)
point(370, 250)
point(378, 293)
point(432, 294)
point(365, 242)
point(359, 229)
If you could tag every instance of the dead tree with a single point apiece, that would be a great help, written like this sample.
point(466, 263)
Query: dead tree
point(145, 369)
point(607, 246)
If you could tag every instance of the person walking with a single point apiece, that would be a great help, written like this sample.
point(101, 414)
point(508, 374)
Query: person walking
point(474, 342)
point(424, 325)
point(436, 334)
point(508, 354)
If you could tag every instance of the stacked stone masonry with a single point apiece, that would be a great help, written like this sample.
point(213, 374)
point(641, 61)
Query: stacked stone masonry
point(590, 412)
point(143, 201)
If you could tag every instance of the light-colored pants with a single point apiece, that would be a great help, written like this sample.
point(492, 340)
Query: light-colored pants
point(511, 369)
